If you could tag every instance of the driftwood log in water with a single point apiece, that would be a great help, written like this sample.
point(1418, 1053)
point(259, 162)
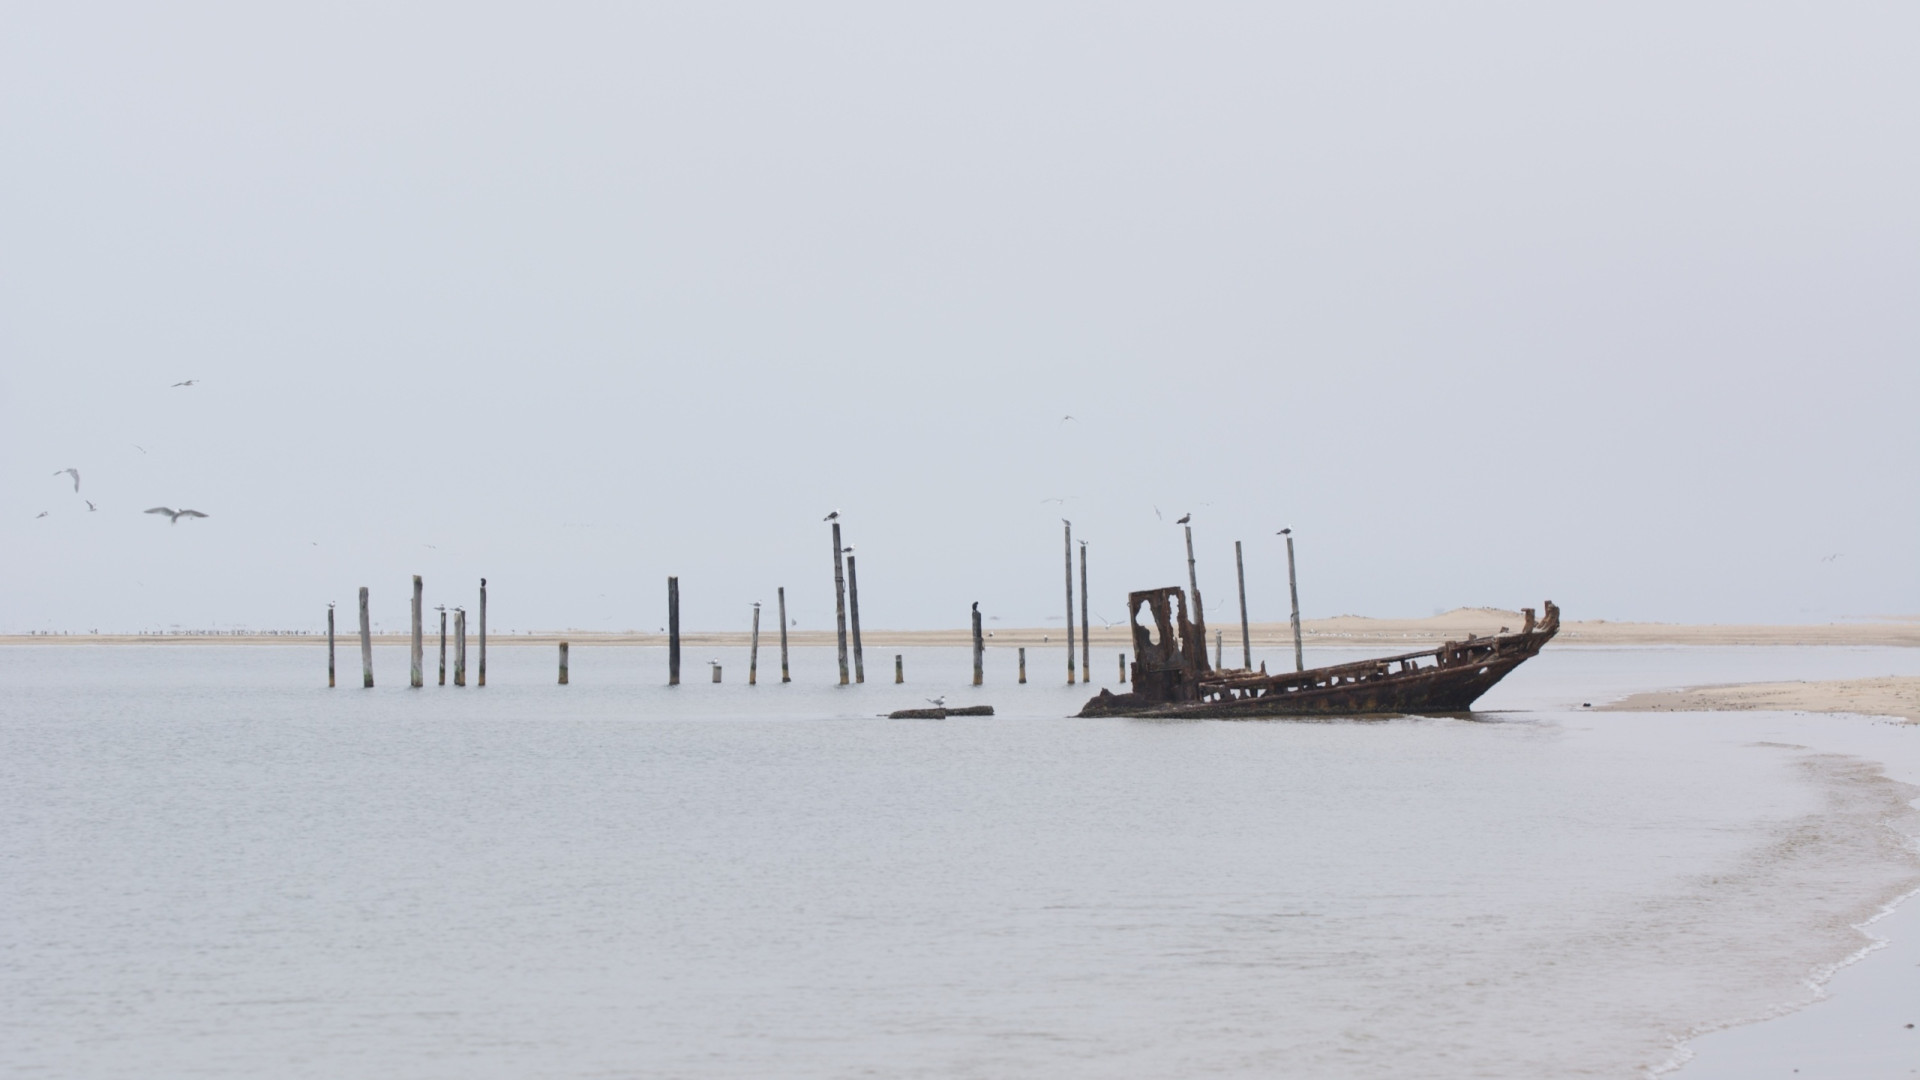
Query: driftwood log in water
point(940, 714)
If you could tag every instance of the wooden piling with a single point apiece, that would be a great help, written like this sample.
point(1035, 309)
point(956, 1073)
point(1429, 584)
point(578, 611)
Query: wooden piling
point(1219, 642)
point(443, 645)
point(563, 663)
point(1023, 665)
point(459, 646)
point(1086, 626)
point(785, 677)
point(366, 641)
point(1246, 634)
point(673, 631)
point(1070, 668)
point(1293, 593)
point(716, 672)
point(482, 673)
point(979, 649)
point(1123, 669)
point(417, 676)
point(330, 645)
point(753, 649)
point(840, 600)
point(899, 669)
point(1193, 586)
point(853, 605)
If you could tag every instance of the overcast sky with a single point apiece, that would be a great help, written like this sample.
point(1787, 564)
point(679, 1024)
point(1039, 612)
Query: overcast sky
point(1616, 304)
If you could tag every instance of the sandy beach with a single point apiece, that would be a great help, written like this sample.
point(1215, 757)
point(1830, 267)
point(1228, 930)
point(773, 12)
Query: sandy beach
point(1893, 695)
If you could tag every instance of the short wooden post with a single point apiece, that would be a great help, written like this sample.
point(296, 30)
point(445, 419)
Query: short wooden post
point(1219, 641)
point(716, 671)
point(853, 605)
point(840, 599)
point(1086, 625)
point(417, 676)
point(1123, 669)
point(899, 668)
point(1293, 594)
point(1023, 665)
point(563, 663)
point(673, 631)
point(366, 640)
point(459, 646)
point(1246, 635)
point(785, 677)
point(979, 649)
point(443, 644)
point(1070, 668)
point(753, 650)
point(482, 673)
point(330, 645)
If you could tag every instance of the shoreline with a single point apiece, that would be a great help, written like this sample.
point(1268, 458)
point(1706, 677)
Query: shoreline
point(1400, 634)
point(1890, 695)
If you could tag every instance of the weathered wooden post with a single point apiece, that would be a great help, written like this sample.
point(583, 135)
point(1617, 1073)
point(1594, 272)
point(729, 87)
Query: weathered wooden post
point(1086, 625)
point(899, 668)
point(329, 644)
point(417, 679)
point(1246, 634)
point(1123, 669)
point(366, 640)
point(563, 663)
point(1219, 642)
point(784, 676)
point(442, 609)
point(482, 673)
point(979, 649)
point(853, 603)
point(673, 631)
point(1193, 585)
point(715, 664)
point(459, 646)
point(753, 650)
point(1070, 668)
point(840, 597)
point(1293, 593)
point(1023, 665)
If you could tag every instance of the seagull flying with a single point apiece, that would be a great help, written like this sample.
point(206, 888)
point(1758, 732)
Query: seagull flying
point(39, 515)
point(1156, 513)
point(832, 516)
point(1064, 419)
point(1834, 556)
point(1184, 519)
point(75, 473)
point(174, 516)
point(185, 382)
point(90, 507)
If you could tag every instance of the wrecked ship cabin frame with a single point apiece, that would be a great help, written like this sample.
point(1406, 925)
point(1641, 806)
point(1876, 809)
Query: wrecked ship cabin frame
point(1171, 676)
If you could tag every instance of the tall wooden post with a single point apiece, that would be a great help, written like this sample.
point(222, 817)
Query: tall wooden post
point(418, 674)
point(1086, 626)
point(853, 604)
point(482, 673)
point(1123, 669)
point(1246, 634)
point(330, 645)
point(673, 631)
point(753, 650)
point(899, 668)
point(1219, 643)
point(785, 677)
point(1023, 665)
point(563, 663)
point(1293, 593)
point(1193, 586)
point(1070, 668)
point(366, 640)
point(979, 649)
point(840, 599)
point(459, 646)
point(443, 644)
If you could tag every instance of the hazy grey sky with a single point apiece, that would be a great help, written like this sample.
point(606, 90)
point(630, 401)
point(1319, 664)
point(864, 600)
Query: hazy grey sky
point(1610, 303)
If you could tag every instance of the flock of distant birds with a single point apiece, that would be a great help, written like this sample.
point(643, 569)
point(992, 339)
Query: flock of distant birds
point(173, 516)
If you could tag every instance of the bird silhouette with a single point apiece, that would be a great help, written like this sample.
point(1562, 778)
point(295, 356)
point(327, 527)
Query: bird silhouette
point(831, 517)
point(174, 516)
point(75, 473)
point(90, 507)
point(185, 382)
point(39, 515)
point(937, 702)
point(1184, 519)
point(1284, 532)
point(1158, 514)
point(1833, 556)
point(1064, 419)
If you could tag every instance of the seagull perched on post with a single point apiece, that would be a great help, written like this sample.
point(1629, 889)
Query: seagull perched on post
point(75, 473)
point(1285, 532)
point(174, 516)
point(832, 516)
point(1184, 518)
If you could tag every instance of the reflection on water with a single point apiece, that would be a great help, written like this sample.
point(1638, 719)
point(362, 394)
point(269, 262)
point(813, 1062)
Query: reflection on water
point(215, 866)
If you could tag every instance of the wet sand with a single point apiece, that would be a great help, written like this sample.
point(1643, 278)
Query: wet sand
point(1893, 695)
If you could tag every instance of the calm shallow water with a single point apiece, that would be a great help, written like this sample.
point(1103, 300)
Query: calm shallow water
point(215, 867)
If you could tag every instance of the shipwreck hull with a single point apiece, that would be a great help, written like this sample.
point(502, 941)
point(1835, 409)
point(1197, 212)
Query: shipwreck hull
point(1171, 677)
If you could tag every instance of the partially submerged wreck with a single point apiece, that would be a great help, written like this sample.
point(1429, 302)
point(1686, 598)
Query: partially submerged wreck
point(1171, 676)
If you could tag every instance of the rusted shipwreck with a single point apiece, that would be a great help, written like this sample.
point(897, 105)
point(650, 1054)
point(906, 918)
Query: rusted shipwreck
point(1171, 676)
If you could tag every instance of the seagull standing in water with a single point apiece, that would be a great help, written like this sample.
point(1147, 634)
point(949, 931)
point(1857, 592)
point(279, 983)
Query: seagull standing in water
point(174, 516)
